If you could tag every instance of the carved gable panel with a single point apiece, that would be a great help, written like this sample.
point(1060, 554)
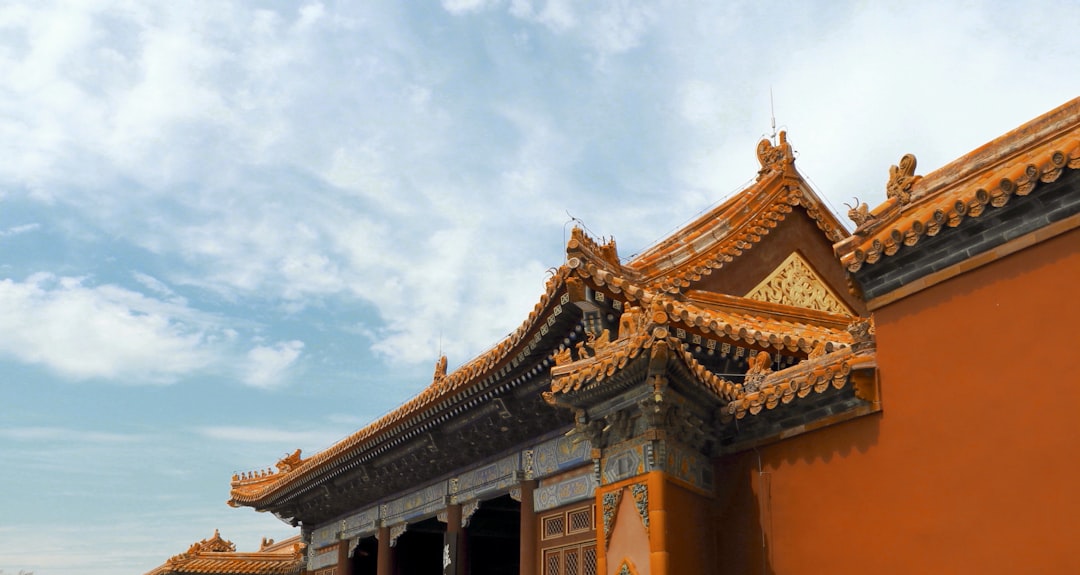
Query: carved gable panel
point(794, 282)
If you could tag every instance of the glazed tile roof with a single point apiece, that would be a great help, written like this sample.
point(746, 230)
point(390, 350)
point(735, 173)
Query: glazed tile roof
point(987, 178)
point(657, 279)
point(644, 334)
point(813, 375)
point(612, 356)
point(735, 226)
point(217, 556)
point(253, 488)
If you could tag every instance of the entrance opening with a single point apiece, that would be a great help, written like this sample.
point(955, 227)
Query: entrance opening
point(493, 538)
point(420, 549)
point(365, 556)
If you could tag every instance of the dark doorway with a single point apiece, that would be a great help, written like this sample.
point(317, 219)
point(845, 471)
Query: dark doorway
point(365, 557)
point(419, 551)
point(493, 538)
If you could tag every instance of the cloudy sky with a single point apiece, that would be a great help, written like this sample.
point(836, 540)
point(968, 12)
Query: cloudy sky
point(231, 229)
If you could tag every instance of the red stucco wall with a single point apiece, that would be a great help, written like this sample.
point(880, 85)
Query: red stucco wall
point(972, 466)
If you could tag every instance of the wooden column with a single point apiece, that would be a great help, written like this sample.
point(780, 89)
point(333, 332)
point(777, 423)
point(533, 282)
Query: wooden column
point(454, 539)
point(527, 559)
point(384, 561)
point(344, 566)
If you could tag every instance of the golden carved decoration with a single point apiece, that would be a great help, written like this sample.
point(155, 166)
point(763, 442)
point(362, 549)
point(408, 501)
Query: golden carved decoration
point(795, 283)
point(859, 213)
point(214, 544)
point(289, 462)
point(632, 322)
point(774, 157)
point(901, 178)
point(759, 367)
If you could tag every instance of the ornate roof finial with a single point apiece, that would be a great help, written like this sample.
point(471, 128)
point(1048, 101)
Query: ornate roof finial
point(774, 157)
point(440, 369)
point(213, 545)
point(863, 333)
point(289, 462)
point(859, 213)
point(759, 367)
point(901, 178)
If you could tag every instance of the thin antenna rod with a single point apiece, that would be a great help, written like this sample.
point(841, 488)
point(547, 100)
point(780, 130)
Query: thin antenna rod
point(772, 114)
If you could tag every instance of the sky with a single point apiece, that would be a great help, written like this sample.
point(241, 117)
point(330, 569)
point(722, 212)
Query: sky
point(231, 229)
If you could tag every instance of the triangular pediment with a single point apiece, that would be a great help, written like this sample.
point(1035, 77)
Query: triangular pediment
point(795, 282)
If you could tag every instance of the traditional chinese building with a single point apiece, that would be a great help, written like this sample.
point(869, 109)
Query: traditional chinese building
point(217, 556)
point(761, 392)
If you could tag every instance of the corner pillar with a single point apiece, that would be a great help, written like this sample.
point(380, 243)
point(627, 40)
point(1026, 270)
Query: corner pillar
point(527, 558)
point(344, 566)
point(453, 541)
point(384, 561)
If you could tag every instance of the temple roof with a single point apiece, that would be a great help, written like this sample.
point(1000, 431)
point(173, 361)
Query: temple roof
point(735, 226)
point(254, 488)
point(988, 177)
point(217, 556)
point(647, 335)
point(660, 280)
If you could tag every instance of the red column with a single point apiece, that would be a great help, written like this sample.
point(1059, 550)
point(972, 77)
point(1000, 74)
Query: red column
point(455, 540)
point(344, 566)
point(527, 561)
point(384, 561)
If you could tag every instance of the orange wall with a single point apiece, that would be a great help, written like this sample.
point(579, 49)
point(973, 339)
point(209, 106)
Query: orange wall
point(972, 466)
point(690, 550)
point(677, 539)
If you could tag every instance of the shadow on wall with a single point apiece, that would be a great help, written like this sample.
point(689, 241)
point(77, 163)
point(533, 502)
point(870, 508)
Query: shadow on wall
point(740, 536)
point(828, 443)
point(743, 511)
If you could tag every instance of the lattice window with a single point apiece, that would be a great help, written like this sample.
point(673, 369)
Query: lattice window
point(568, 544)
point(579, 520)
point(577, 559)
point(571, 562)
point(588, 566)
point(554, 526)
point(552, 563)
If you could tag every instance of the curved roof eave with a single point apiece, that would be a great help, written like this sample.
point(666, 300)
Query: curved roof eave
point(263, 489)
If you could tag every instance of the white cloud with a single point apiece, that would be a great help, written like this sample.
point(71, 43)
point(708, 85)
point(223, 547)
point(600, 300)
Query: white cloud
point(105, 331)
point(266, 365)
point(18, 230)
point(464, 6)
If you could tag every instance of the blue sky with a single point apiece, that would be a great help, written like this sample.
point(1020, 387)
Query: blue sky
point(231, 229)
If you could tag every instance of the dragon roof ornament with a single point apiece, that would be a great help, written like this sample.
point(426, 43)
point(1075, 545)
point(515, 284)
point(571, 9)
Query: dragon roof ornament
point(774, 157)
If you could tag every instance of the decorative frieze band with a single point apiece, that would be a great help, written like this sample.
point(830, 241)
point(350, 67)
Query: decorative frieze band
point(558, 455)
point(422, 502)
point(360, 524)
point(497, 476)
point(325, 535)
point(634, 458)
point(576, 487)
point(322, 557)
